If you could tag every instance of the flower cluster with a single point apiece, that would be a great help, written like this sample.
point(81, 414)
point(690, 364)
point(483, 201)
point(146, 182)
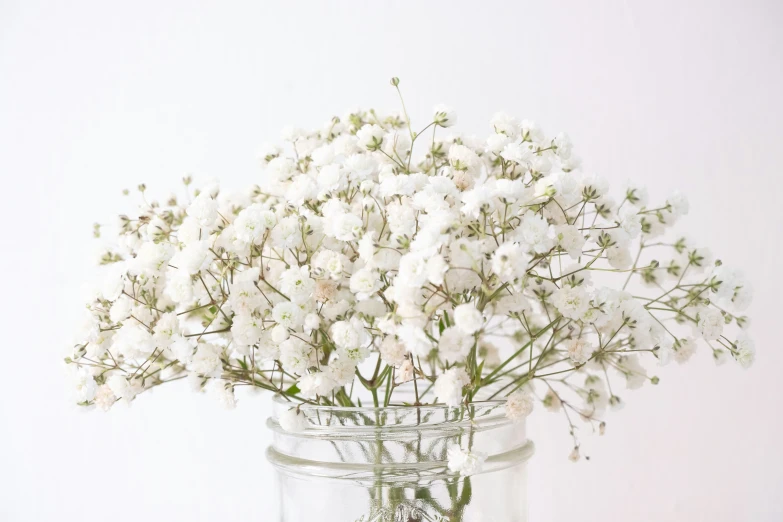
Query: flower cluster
point(480, 268)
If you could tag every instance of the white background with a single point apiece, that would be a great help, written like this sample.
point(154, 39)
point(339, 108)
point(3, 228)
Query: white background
point(99, 96)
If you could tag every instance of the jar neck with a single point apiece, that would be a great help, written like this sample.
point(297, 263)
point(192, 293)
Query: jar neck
point(398, 444)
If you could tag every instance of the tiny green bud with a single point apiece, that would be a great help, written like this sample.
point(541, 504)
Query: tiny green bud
point(655, 380)
point(395, 81)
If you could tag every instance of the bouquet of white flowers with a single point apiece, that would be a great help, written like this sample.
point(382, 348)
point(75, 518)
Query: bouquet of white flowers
point(475, 269)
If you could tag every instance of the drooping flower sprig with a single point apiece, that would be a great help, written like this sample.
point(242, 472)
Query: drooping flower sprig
point(377, 265)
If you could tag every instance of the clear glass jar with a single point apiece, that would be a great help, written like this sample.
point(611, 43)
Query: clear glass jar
point(390, 464)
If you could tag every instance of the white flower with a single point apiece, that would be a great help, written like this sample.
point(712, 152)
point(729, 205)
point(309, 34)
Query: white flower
point(630, 220)
point(396, 185)
point(392, 351)
point(531, 131)
point(317, 383)
point(454, 345)
point(246, 330)
point(405, 372)
point(104, 398)
point(296, 284)
point(364, 283)
point(295, 355)
point(224, 391)
point(207, 360)
point(194, 258)
point(204, 209)
point(448, 386)
point(280, 169)
point(510, 261)
point(325, 291)
point(464, 159)
point(302, 189)
point(594, 186)
point(535, 231)
point(570, 239)
point(293, 421)
point(497, 142)
point(150, 259)
point(466, 463)
point(331, 178)
point(743, 296)
point(346, 335)
point(166, 329)
point(468, 318)
point(252, 222)
point(633, 371)
point(279, 334)
point(519, 405)
point(619, 258)
point(685, 348)
point(121, 309)
point(678, 204)
point(360, 166)
point(746, 352)
point(84, 386)
point(444, 116)
point(288, 315)
point(287, 233)
point(345, 227)
point(123, 388)
point(414, 339)
point(331, 262)
point(341, 370)
point(355, 244)
point(562, 144)
point(579, 350)
point(636, 195)
point(571, 302)
point(710, 323)
point(370, 136)
point(516, 152)
point(179, 287)
point(113, 282)
point(502, 123)
point(665, 351)
point(436, 269)
point(133, 340)
point(311, 322)
point(183, 348)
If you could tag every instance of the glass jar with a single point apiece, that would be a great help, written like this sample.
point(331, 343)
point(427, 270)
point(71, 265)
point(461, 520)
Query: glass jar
point(390, 464)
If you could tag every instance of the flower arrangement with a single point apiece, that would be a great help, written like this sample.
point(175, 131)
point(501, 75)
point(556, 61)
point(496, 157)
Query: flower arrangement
point(378, 265)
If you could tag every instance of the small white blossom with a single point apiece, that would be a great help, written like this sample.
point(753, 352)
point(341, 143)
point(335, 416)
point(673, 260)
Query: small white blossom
point(252, 222)
point(204, 209)
point(468, 319)
point(519, 405)
point(454, 345)
point(293, 421)
point(448, 386)
point(444, 116)
point(579, 350)
point(466, 463)
point(571, 302)
point(710, 324)
point(392, 351)
point(370, 136)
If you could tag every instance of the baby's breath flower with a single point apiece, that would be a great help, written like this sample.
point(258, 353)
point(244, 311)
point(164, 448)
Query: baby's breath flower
point(455, 268)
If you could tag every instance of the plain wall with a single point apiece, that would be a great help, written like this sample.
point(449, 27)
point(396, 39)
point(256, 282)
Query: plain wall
point(97, 96)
